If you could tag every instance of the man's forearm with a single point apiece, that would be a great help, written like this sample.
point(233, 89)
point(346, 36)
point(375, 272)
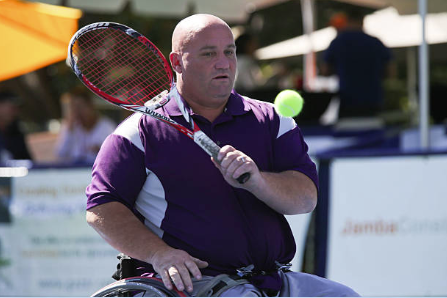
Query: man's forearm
point(289, 192)
point(124, 231)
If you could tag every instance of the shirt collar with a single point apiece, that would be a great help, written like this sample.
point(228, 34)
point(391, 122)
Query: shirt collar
point(236, 105)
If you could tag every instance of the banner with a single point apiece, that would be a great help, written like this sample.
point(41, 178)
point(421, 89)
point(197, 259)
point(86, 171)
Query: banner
point(299, 225)
point(388, 225)
point(46, 246)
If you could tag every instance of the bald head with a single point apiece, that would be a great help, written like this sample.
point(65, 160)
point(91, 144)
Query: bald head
point(188, 28)
point(204, 60)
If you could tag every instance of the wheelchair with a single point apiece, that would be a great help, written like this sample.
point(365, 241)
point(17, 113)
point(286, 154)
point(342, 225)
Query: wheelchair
point(129, 285)
point(138, 287)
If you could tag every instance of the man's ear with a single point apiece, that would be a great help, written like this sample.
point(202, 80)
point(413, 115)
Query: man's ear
point(176, 62)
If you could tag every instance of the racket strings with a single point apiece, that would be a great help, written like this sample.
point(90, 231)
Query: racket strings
point(121, 66)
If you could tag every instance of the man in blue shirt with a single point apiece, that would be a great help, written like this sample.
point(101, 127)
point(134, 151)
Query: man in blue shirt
point(361, 62)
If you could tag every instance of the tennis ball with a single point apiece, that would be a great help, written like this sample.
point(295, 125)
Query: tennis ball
point(288, 103)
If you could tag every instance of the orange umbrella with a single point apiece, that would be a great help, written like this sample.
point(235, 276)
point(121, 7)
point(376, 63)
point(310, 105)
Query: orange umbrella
point(33, 35)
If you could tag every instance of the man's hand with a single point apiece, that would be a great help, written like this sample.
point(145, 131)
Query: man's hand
point(176, 268)
point(234, 163)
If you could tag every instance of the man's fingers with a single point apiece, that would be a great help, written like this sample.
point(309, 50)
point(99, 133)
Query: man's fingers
point(200, 263)
point(185, 276)
point(234, 164)
point(193, 267)
point(223, 152)
point(180, 275)
point(177, 276)
point(176, 267)
point(166, 279)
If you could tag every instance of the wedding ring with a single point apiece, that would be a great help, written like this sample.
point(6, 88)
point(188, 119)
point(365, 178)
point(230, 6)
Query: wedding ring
point(243, 159)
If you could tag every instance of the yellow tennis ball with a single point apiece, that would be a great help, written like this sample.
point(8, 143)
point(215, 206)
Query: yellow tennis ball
point(288, 103)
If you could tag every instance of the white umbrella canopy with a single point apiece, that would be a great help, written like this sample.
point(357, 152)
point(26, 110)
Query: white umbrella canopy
point(233, 11)
point(396, 30)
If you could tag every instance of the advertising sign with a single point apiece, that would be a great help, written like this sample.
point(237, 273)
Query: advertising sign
point(388, 225)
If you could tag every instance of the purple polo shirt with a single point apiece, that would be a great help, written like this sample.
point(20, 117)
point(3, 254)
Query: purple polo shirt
point(171, 184)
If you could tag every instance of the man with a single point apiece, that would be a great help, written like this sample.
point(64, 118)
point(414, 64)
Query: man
point(157, 197)
point(361, 62)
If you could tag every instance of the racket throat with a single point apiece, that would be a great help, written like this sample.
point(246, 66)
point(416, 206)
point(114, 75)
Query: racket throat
point(210, 147)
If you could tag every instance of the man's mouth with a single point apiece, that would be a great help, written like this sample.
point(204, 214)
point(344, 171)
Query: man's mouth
point(220, 77)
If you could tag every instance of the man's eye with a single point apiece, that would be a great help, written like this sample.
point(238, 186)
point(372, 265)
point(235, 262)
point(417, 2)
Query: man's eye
point(229, 53)
point(208, 54)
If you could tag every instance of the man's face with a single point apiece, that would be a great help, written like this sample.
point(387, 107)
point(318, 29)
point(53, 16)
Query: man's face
point(208, 66)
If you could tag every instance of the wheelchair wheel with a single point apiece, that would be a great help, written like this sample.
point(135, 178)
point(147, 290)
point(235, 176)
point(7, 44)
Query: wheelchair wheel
point(138, 287)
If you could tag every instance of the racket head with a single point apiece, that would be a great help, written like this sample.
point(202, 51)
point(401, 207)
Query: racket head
point(120, 65)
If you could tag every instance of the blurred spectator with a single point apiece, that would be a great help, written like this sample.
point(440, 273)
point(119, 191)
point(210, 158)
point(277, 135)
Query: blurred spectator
point(12, 139)
point(83, 128)
point(361, 62)
point(254, 81)
point(249, 75)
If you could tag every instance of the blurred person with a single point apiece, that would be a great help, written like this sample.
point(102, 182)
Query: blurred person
point(252, 80)
point(12, 139)
point(83, 128)
point(361, 62)
point(249, 75)
point(181, 215)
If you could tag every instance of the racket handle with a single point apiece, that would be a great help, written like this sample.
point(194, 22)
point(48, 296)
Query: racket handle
point(213, 149)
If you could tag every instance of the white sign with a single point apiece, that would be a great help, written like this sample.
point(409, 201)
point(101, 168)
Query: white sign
point(48, 249)
point(299, 225)
point(388, 225)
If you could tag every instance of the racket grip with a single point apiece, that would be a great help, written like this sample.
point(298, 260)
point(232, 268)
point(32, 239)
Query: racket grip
point(213, 149)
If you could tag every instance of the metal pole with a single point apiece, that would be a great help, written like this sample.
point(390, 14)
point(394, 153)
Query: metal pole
point(424, 103)
point(309, 62)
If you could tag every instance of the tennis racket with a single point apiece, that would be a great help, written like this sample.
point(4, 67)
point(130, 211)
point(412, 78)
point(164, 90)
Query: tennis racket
point(126, 69)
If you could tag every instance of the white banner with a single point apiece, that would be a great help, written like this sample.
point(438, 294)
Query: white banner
point(300, 225)
point(388, 225)
point(48, 249)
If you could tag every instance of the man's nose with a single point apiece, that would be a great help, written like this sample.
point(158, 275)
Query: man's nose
point(222, 62)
